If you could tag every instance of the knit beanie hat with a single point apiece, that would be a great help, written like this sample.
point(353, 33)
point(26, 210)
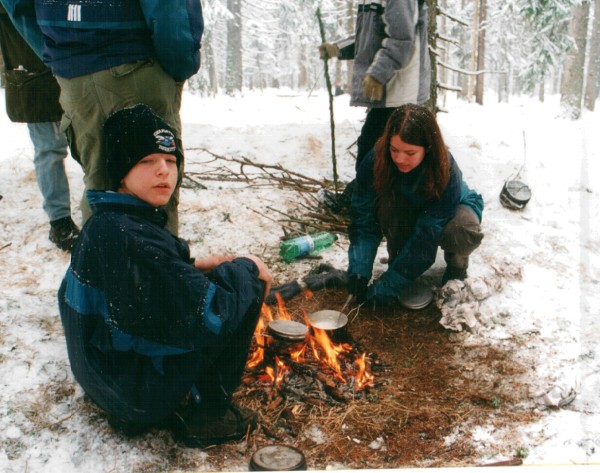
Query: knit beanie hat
point(131, 134)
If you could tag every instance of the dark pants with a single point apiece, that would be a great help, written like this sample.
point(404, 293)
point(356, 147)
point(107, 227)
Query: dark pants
point(371, 130)
point(223, 365)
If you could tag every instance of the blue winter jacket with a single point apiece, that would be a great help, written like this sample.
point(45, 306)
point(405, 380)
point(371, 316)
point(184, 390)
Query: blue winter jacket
point(137, 314)
point(419, 252)
point(79, 37)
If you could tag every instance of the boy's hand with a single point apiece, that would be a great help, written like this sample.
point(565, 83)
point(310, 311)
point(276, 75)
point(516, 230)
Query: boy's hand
point(211, 262)
point(264, 273)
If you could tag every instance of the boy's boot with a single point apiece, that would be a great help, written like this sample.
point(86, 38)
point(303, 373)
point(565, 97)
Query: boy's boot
point(201, 425)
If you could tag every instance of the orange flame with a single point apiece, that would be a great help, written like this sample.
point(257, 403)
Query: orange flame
point(269, 374)
point(265, 312)
point(281, 371)
point(323, 350)
point(298, 355)
point(259, 354)
point(282, 311)
point(331, 351)
point(364, 377)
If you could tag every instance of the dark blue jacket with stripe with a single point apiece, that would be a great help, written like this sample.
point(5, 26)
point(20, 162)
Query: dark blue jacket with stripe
point(79, 37)
point(136, 312)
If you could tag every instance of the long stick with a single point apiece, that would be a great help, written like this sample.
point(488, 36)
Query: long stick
point(331, 121)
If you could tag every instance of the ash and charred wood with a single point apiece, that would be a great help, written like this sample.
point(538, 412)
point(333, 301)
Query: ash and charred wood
point(329, 385)
point(301, 396)
point(313, 373)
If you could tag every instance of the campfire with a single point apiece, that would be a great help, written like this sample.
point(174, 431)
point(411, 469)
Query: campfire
point(297, 359)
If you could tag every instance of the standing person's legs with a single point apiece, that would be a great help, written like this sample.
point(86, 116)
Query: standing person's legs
point(461, 236)
point(50, 150)
point(88, 100)
point(371, 130)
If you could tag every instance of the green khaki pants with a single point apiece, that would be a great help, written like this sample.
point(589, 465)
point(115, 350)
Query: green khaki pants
point(88, 100)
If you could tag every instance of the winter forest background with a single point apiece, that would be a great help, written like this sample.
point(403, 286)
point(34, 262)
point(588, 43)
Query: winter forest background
point(505, 47)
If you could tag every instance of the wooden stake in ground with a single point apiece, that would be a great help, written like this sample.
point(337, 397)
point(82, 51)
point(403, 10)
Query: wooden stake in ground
point(328, 82)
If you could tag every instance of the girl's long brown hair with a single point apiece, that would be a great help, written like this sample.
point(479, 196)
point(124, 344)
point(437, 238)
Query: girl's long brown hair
point(415, 125)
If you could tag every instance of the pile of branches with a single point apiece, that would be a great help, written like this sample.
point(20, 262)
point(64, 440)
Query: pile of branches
point(309, 213)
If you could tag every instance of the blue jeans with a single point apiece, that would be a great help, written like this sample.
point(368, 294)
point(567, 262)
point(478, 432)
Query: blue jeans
point(50, 150)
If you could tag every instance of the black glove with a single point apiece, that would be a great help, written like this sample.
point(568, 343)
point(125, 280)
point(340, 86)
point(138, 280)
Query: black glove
point(286, 291)
point(357, 286)
point(327, 278)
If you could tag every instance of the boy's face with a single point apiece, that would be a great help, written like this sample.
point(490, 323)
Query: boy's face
point(152, 179)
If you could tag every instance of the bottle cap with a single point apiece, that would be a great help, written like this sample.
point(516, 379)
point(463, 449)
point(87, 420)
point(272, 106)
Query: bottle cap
point(277, 458)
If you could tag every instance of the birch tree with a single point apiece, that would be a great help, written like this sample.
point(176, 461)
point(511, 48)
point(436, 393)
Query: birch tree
point(571, 86)
point(593, 75)
point(234, 74)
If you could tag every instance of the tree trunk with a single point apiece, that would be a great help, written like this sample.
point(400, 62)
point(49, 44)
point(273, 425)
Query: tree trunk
point(233, 65)
point(433, 8)
point(593, 76)
point(571, 86)
point(211, 67)
point(474, 38)
point(479, 81)
point(350, 30)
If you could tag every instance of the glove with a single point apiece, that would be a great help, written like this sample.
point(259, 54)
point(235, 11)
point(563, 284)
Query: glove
point(328, 50)
point(286, 291)
point(357, 286)
point(372, 88)
point(327, 278)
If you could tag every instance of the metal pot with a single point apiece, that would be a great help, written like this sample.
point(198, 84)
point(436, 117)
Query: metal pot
point(286, 336)
point(278, 458)
point(515, 195)
point(332, 321)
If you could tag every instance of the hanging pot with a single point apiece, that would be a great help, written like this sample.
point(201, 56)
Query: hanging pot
point(515, 195)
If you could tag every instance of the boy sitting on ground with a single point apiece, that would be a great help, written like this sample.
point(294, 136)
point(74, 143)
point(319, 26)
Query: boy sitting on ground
point(154, 337)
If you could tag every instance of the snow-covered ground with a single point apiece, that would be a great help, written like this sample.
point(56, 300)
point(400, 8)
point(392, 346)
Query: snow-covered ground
point(548, 257)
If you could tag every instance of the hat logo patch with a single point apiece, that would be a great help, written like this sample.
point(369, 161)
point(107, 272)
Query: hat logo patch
point(165, 140)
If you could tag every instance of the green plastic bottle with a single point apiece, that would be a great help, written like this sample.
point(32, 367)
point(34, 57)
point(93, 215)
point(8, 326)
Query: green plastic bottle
point(293, 248)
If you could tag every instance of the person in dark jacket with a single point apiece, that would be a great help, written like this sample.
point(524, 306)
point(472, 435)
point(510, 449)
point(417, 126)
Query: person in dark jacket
point(32, 97)
point(391, 65)
point(410, 190)
point(109, 55)
point(154, 336)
